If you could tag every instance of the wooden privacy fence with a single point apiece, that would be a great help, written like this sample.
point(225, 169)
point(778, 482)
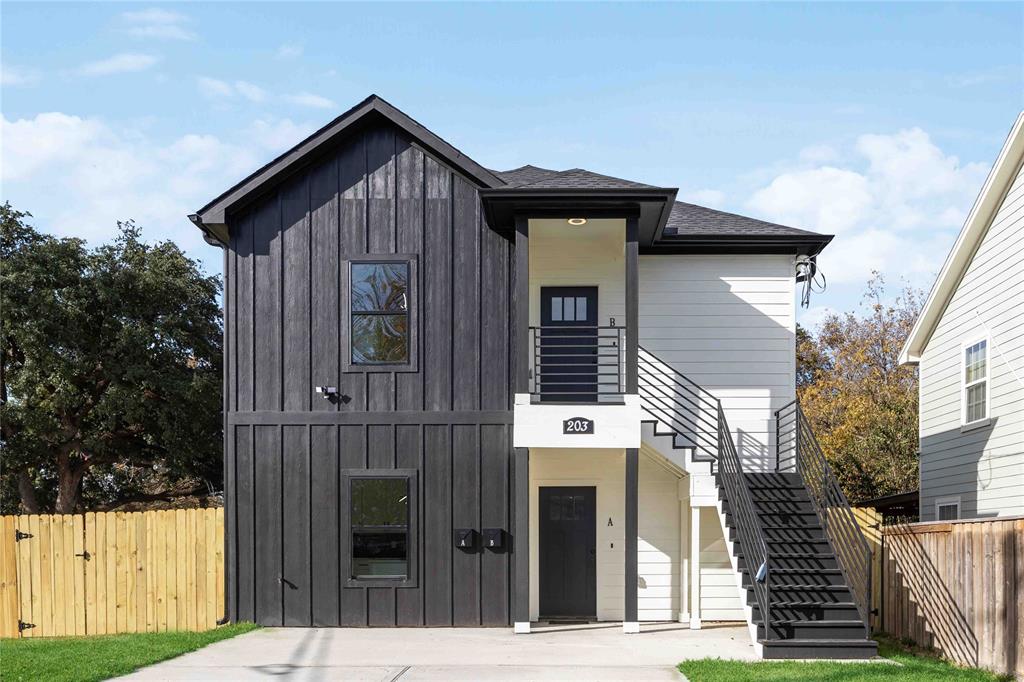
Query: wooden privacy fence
point(102, 573)
point(956, 586)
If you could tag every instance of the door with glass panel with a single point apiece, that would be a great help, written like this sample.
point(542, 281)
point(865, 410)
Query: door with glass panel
point(566, 357)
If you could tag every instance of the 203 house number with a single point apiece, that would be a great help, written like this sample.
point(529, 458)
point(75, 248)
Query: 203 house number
point(578, 425)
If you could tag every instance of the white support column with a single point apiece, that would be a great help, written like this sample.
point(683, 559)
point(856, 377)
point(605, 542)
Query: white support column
point(684, 551)
point(695, 568)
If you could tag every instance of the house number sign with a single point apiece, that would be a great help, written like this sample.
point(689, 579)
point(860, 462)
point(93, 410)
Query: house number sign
point(578, 425)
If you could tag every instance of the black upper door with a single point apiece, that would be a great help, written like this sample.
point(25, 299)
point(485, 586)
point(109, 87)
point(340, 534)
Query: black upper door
point(568, 352)
point(568, 552)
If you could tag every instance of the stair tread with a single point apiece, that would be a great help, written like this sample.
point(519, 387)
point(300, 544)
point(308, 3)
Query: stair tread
point(803, 641)
point(806, 586)
point(818, 624)
point(802, 555)
point(829, 604)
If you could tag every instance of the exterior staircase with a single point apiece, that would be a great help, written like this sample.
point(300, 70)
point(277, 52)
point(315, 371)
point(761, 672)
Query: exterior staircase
point(802, 562)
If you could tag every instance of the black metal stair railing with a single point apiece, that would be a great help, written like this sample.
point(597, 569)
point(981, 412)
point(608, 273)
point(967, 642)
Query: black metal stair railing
point(798, 450)
point(696, 416)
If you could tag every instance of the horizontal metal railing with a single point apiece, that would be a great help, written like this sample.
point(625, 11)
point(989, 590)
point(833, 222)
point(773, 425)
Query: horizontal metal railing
point(576, 363)
point(798, 451)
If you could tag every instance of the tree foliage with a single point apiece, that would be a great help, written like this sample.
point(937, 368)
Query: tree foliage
point(861, 403)
point(111, 374)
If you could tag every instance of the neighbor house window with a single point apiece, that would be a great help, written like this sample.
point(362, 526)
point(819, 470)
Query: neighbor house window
point(947, 509)
point(975, 382)
point(380, 511)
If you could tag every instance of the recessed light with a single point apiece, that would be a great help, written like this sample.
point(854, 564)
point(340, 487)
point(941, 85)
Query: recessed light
point(577, 221)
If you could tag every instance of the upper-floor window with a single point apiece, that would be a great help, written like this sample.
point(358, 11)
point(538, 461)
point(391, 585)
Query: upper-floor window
point(975, 394)
point(381, 309)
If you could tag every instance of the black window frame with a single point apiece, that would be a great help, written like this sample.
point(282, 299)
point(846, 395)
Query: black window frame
point(412, 313)
point(412, 545)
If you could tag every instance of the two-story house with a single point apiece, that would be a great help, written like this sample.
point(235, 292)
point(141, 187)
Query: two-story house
point(968, 344)
point(462, 397)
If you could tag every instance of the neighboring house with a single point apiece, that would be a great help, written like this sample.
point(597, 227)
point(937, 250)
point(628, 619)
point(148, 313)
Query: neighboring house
point(969, 345)
point(438, 410)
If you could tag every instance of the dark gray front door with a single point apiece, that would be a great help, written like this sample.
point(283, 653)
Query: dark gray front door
point(568, 344)
point(568, 552)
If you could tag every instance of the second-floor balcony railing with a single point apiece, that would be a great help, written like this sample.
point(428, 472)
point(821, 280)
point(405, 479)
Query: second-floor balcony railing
point(577, 363)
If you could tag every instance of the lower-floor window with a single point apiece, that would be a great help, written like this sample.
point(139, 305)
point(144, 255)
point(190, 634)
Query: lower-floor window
point(380, 507)
point(947, 509)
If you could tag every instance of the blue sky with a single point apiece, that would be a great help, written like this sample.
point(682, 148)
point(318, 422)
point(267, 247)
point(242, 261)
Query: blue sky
point(876, 123)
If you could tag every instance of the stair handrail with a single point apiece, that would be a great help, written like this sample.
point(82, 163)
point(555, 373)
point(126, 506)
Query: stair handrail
point(663, 400)
point(748, 528)
point(795, 438)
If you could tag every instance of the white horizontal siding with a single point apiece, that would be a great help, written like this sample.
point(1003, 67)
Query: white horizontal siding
point(984, 466)
point(727, 323)
point(719, 596)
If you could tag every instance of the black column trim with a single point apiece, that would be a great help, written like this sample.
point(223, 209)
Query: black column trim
point(521, 537)
point(632, 507)
point(632, 307)
point(521, 307)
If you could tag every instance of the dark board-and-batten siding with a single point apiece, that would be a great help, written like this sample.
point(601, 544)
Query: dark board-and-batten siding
point(286, 446)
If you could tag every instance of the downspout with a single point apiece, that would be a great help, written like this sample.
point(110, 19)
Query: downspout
point(212, 240)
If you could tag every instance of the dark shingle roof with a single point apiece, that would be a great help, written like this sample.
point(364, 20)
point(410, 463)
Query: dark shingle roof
point(575, 178)
point(690, 219)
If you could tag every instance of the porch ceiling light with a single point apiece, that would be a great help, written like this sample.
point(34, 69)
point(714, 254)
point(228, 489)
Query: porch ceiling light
point(576, 222)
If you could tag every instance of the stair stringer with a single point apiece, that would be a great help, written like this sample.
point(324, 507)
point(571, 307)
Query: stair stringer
point(662, 443)
point(748, 609)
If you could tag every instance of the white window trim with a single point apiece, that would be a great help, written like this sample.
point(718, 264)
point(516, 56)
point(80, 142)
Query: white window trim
point(964, 424)
point(945, 502)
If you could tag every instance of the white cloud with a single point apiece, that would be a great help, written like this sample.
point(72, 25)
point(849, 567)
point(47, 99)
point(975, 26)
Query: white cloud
point(277, 136)
point(308, 99)
point(158, 24)
point(125, 62)
point(711, 198)
point(103, 174)
point(214, 88)
point(289, 51)
point(894, 201)
point(14, 75)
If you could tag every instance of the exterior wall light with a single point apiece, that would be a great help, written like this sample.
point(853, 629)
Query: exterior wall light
point(576, 221)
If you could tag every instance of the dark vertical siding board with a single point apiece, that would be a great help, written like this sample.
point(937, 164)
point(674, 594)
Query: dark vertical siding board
point(495, 392)
point(437, 525)
point(436, 290)
point(408, 455)
point(325, 330)
point(380, 445)
point(296, 525)
point(267, 301)
point(352, 230)
point(409, 188)
point(465, 296)
point(298, 389)
point(521, 537)
point(466, 514)
point(268, 525)
point(381, 211)
point(243, 316)
point(324, 524)
point(245, 588)
point(352, 455)
point(494, 504)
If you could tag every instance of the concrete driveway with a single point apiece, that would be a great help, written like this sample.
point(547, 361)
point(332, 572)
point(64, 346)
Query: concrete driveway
point(581, 652)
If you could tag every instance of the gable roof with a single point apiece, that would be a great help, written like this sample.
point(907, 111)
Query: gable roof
point(959, 259)
point(664, 222)
point(211, 217)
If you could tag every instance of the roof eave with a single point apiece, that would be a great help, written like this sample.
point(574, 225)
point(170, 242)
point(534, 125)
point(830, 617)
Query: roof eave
point(809, 244)
point(998, 182)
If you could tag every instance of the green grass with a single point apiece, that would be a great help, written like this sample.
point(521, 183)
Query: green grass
point(915, 666)
point(89, 659)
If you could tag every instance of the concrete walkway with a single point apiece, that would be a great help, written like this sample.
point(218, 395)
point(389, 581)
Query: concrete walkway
point(581, 652)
